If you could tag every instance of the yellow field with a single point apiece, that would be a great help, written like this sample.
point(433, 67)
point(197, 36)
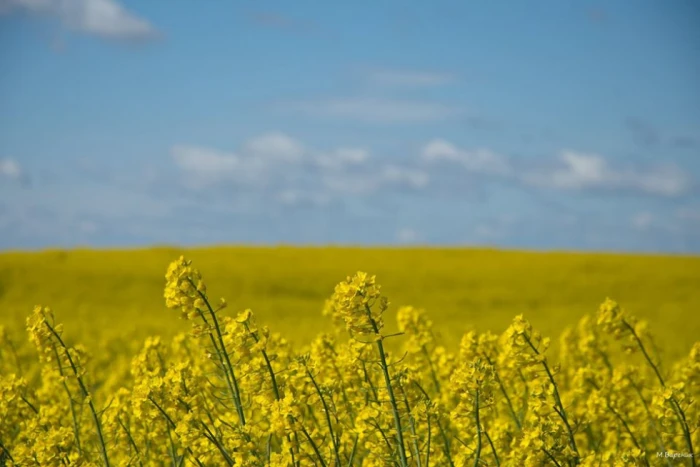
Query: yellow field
point(100, 294)
point(318, 375)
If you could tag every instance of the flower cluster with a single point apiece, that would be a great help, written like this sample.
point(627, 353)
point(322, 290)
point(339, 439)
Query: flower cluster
point(233, 393)
point(359, 302)
point(184, 288)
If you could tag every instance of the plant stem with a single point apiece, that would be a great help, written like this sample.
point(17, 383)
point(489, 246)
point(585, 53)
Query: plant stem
point(505, 393)
point(225, 358)
point(680, 414)
point(559, 406)
point(412, 426)
point(389, 388)
point(493, 448)
point(478, 429)
point(327, 414)
point(85, 393)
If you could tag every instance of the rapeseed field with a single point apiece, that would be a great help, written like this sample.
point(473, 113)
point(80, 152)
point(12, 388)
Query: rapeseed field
point(276, 356)
point(102, 294)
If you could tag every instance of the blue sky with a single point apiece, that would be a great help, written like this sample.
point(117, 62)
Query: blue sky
point(543, 124)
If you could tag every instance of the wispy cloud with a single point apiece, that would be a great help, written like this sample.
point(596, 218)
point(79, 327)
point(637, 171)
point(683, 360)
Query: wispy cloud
point(9, 168)
point(205, 164)
point(642, 220)
point(410, 177)
point(479, 160)
point(302, 197)
point(318, 194)
point(375, 110)
point(580, 171)
point(275, 146)
point(408, 235)
point(259, 160)
point(571, 170)
point(409, 78)
point(341, 158)
point(279, 167)
point(103, 18)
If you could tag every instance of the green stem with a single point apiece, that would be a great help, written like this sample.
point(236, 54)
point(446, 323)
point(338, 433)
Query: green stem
point(551, 457)
point(353, 452)
point(85, 393)
point(662, 448)
point(443, 435)
point(389, 388)
point(433, 374)
point(5, 451)
point(478, 429)
point(559, 409)
point(218, 445)
point(505, 393)
point(493, 448)
point(629, 431)
point(71, 404)
point(275, 388)
point(412, 426)
point(131, 440)
point(427, 449)
point(327, 414)
point(228, 367)
point(313, 446)
point(680, 414)
point(170, 424)
point(173, 453)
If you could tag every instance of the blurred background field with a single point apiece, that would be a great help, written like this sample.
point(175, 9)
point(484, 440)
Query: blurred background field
point(103, 294)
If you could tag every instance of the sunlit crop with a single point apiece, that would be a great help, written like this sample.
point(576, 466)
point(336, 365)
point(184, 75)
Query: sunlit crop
point(231, 392)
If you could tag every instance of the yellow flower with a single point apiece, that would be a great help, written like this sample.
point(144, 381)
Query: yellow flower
point(359, 302)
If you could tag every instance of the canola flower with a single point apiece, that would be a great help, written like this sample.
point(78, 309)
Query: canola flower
point(233, 393)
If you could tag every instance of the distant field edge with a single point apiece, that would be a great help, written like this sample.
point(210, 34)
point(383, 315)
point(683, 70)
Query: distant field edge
point(348, 246)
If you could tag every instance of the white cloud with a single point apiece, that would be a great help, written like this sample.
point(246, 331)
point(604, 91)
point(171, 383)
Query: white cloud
point(404, 175)
point(577, 171)
point(349, 184)
point(642, 220)
point(275, 146)
point(10, 169)
point(206, 164)
point(342, 157)
point(665, 181)
point(277, 162)
point(277, 165)
point(260, 160)
point(295, 197)
point(371, 110)
point(480, 160)
point(367, 182)
point(571, 170)
point(407, 235)
point(410, 78)
point(103, 18)
point(439, 149)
